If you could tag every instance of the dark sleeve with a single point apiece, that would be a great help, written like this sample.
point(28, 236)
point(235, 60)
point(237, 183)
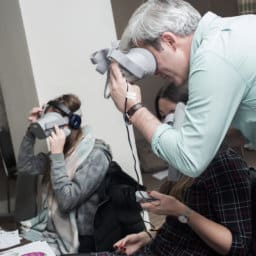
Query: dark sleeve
point(230, 192)
point(70, 193)
point(27, 161)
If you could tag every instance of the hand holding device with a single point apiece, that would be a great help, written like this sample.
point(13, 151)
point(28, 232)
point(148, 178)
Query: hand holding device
point(143, 197)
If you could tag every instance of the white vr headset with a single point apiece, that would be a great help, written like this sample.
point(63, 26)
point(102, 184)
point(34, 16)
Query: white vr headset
point(44, 126)
point(135, 64)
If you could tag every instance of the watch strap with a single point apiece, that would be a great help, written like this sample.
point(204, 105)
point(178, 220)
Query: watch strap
point(184, 218)
point(132, 110)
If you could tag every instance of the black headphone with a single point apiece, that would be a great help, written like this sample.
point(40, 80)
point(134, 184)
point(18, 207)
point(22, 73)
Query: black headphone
point(74, 119)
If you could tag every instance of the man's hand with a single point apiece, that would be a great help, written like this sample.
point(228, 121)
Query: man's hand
point(118, 89)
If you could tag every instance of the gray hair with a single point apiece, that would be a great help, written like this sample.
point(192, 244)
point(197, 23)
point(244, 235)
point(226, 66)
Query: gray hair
point(155, 17)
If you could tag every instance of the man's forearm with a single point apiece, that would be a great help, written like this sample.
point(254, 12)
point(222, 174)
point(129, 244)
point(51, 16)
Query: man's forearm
point(145, 122)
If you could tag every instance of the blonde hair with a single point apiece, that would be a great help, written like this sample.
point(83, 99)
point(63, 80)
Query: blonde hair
point(178, 188)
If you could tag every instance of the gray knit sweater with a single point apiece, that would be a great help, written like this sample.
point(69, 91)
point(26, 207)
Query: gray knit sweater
point(79, 193)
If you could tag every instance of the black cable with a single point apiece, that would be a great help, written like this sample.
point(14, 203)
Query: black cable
point(153, 228)
point(129, 138)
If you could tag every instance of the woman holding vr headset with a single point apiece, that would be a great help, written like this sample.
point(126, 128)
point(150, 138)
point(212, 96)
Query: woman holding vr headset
point(72, 172)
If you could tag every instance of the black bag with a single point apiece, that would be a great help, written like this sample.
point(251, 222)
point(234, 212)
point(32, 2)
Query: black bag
point(121, 187)
point(118, 213)
point(117, 184)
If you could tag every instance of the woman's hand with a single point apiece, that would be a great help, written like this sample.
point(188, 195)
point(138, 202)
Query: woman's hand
point(132, 243)
point(35, 114)
point(57, 140)
point(118, 89)
point(164, 205)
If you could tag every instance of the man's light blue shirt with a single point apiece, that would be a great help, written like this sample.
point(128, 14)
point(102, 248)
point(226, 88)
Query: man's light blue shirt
point(222, 93)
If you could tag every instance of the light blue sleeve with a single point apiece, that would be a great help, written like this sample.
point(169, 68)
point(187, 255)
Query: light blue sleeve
point(215, 92)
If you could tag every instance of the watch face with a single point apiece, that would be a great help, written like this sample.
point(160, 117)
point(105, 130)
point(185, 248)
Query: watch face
point(183, 219)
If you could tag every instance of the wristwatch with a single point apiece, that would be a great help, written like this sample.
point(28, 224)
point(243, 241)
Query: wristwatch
point(184, 218)
point(131, 111)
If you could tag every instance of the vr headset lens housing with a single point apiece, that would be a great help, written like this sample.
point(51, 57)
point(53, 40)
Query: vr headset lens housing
point(135, 64)
point(45, 125)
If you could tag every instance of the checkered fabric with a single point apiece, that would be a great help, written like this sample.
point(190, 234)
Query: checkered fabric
point(247, 6)
point(223, 194)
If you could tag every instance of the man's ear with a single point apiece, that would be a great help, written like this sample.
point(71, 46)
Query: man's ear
point(170, 39)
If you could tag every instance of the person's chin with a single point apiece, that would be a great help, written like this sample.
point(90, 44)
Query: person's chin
point(179, 82)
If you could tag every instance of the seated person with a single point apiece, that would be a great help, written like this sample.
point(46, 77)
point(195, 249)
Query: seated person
point(167, 99)
point(171, 97)
point(207, 215)
point(71, 218)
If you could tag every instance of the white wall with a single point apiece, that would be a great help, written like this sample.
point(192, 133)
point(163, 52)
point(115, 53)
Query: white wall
point(61, 36)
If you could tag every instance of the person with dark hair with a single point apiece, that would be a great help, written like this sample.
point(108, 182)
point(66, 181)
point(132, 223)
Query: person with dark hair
point(170, 103)
point(215, 56)
point(75, 191)
point(167, 98)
